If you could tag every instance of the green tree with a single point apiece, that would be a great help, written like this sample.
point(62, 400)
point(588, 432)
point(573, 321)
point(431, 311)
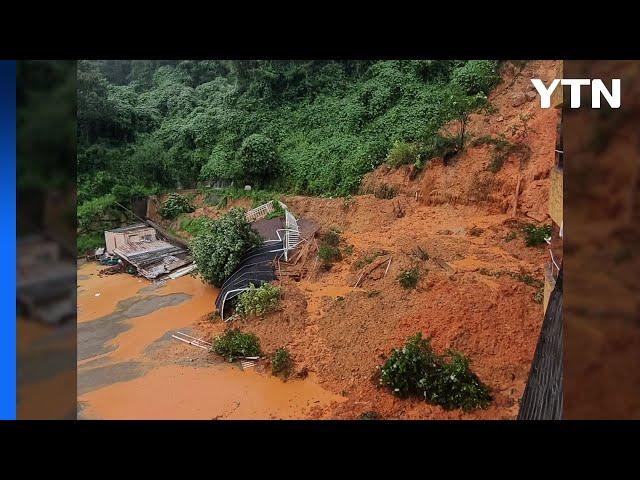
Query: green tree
point(219, 247)
point(258, 158)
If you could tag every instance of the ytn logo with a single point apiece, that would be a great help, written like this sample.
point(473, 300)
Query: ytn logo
point(597, 90)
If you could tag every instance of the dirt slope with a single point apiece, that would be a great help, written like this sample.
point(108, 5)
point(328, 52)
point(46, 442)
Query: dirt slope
point(479, 291)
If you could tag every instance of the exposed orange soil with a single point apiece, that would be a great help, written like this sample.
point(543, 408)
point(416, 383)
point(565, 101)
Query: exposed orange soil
point(471, 295)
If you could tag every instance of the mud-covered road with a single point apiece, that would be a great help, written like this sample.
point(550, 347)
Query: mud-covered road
point(129, 366)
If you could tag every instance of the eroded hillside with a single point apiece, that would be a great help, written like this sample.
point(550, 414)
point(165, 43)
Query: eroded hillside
point(460, 226)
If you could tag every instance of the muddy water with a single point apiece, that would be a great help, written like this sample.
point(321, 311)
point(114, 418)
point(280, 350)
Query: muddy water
point(129, 366)
point(216, 392)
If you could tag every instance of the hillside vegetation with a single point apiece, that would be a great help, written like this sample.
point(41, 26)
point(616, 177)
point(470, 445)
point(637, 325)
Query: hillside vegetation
point(305, 127)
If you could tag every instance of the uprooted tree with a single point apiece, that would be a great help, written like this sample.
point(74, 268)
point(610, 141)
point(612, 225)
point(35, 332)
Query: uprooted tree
point(221, 244)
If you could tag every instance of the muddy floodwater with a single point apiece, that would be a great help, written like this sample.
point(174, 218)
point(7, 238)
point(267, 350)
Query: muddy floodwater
point(130, 367)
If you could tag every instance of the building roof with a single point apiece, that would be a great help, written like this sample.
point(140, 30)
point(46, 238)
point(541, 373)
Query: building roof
point(130, 228)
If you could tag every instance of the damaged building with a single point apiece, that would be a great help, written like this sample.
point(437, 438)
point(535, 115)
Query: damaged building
point(148, 251)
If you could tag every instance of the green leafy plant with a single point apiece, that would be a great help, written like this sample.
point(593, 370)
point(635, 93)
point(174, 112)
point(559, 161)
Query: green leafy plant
point(477, 76)
point(409, 278)
point(174, 205)
point(220, 245)
point(328, 254)
point(281, 363)
point(233, 344)
point(331, 238)
point(445, 380)
point(403, 153)
point(258, 301)
point(535, 236)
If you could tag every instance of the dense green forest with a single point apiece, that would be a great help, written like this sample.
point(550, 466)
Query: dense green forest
point(307, 127)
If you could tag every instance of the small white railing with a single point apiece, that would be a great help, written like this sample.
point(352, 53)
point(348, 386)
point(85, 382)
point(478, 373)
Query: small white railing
point(290, 233)
point(259, 212)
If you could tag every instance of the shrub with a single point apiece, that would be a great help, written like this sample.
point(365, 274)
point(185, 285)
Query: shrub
point(403, 153)
point(535, 236)
point(370, 415)
point(404, 368)
point(175, 205)
point(281, 363)
point(328, 254)
point(409, 278)
point(439, 146)
point(92, 211)
point(258, 157)
point(88, 242)
point(385, 192)
point(257, 301)
point(477, 76)
point(451, 384)
point(233, 344)
point(445, 380)
point(331, 238)
point(221, 244)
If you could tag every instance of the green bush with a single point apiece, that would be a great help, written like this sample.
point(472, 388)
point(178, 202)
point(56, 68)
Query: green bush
point(331, 238)
point(258, 157)
point(281, 363)
point(92, 211)
point(233, 344)
point(328, 254)
point(445, 380)
point(409, 278)
point(403, 153)
point(175, 205)
point(535, 236)
point(437, 146)
point(477, 76)
point(88, 242)
point(221, 244)
point(257, 301)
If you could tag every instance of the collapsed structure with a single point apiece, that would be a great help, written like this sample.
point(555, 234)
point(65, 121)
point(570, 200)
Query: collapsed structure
point(139, 246)
point(281, 236)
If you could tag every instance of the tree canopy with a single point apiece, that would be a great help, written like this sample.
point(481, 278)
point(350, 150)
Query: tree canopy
point(307, 127)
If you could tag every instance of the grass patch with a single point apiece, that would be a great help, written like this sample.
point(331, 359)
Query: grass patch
point(194, 226)
point(234, 344)
point(416, 370)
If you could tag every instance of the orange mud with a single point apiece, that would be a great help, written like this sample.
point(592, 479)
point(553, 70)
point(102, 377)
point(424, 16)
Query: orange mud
point(111, 289)
point(165, 384)
point(217, 392)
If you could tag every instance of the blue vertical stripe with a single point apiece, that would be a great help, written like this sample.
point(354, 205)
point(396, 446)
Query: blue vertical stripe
point(8, 240)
